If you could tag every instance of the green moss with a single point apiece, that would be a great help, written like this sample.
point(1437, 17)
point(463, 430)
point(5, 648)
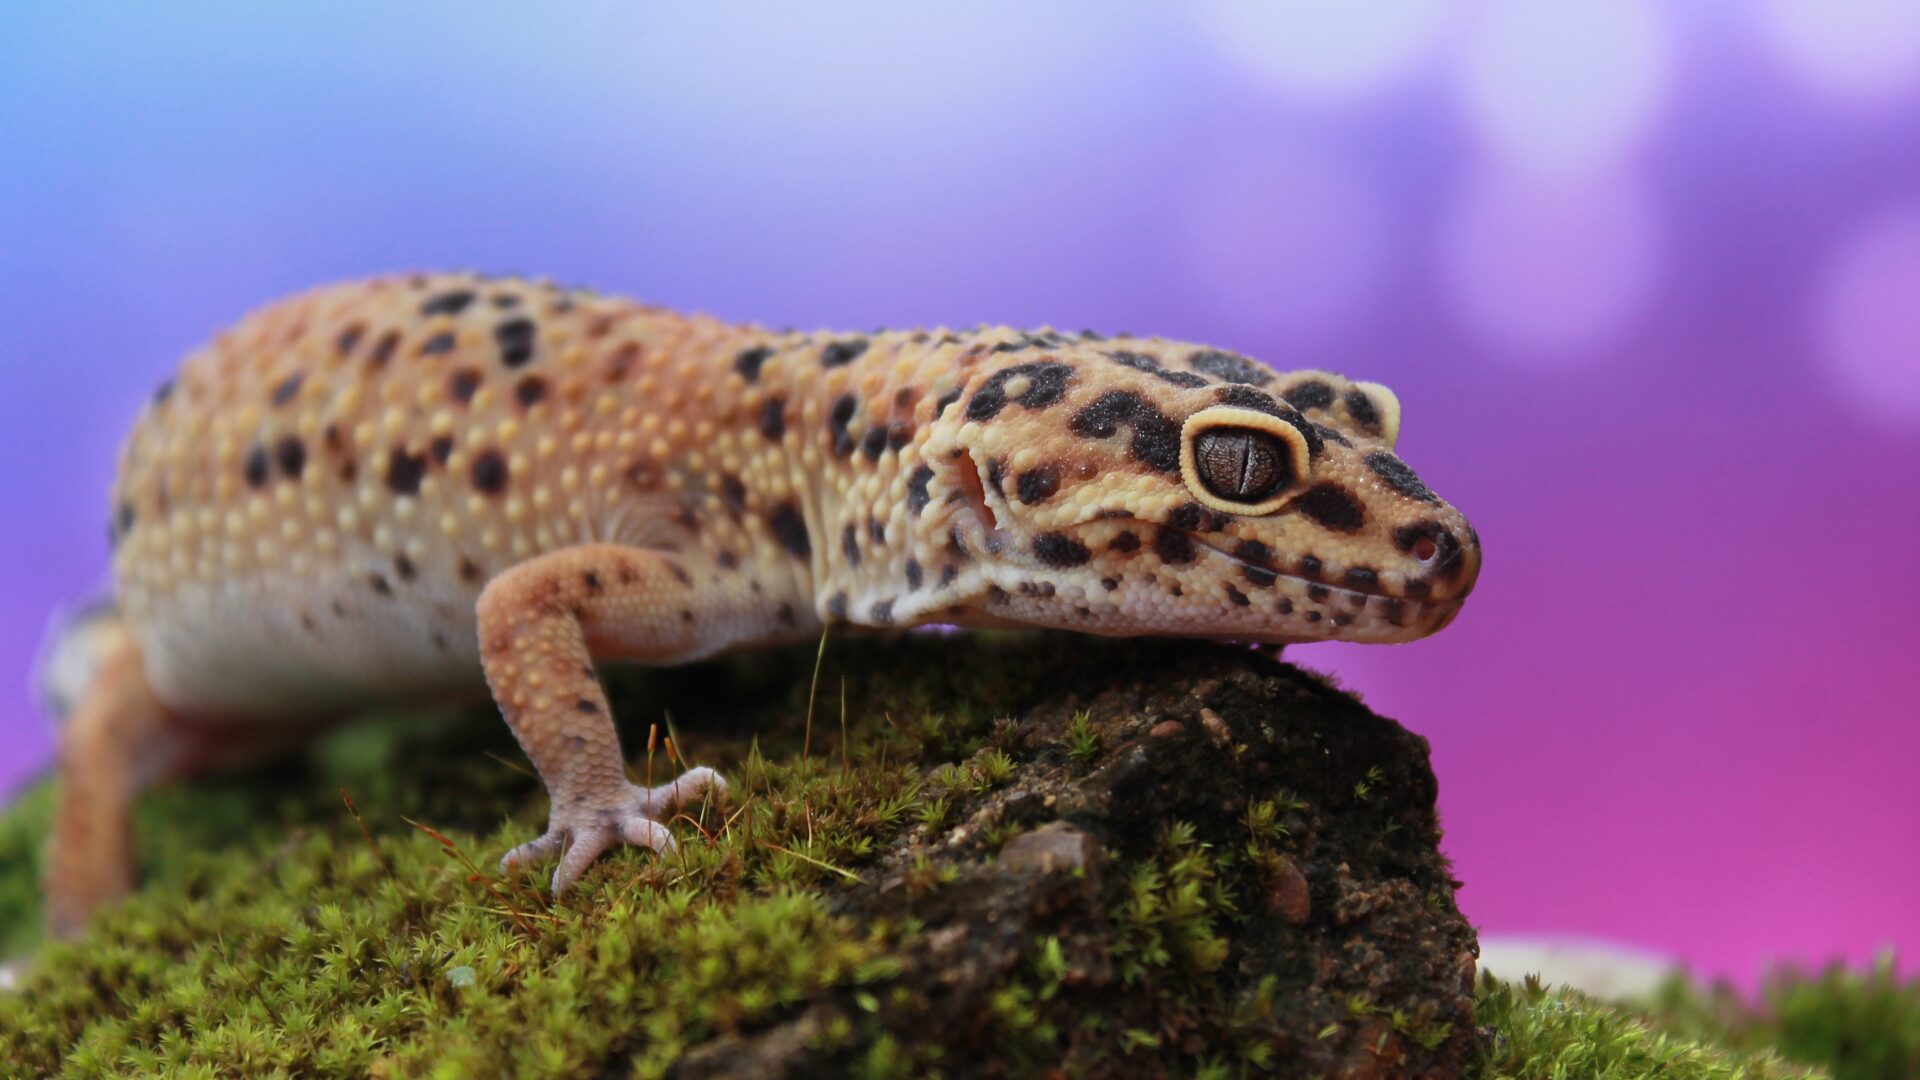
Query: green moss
point(273, 936)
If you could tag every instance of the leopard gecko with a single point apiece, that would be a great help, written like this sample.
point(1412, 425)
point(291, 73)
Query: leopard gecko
point(415, 486)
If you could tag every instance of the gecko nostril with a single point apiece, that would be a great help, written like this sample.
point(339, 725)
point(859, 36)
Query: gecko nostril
point(1425, 549)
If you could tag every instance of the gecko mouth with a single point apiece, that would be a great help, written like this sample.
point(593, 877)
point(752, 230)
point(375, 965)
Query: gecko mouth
point(1400, 610)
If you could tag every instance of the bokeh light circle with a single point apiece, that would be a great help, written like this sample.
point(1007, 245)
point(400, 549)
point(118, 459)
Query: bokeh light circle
point(1550, 269)
point(1291, 243)
point(1855, 50)
point(1868, 317)
point(1331, 52)
point(1566, 86)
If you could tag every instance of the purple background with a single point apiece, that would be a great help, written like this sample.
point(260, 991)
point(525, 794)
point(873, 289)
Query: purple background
point(1646, 277)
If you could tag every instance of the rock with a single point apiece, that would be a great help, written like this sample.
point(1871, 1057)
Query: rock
point(1055, 847)
point(1199, 937)
point(1287, 894)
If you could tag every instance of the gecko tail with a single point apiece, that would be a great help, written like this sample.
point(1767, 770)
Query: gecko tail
point(70, 653)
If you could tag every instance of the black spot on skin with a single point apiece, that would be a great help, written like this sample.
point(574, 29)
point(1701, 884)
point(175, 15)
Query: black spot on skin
point(1155, 440)
point(947, 574)
point(1259, 575)
point(383, 349)
point(339, 610)
point(462, 384)
point(289, 388)
point(773, 418)
point(1060, 550)
point(837, 605)
point(591, 580)
point(404, 471)
point(256, 468)
point(917, 496)
point(1396, 612)
point(1246, 397)
point(837, 420)
point(1312, 394)
point(997, 595)
point(727, 560)
point(946, 399)
point(350, 337)
point(586, 706)
point(1046, 384)
point(529, 391)
point(1418, 590)
point(1124, 541)
point(490, 473)
point(1313, 616)
point(1143, 362)
point(403, 567)
point(914, 575)
point(1317, 593)
point(379, 584)
point(790, 530)
point(1310, 567)
point(439, 344)
point(162, 392)
point(504, 301)
point(291, 455)
point(679, 573)
point(1258, 562)
point(1331, 435)
point(1399, 477)
point(1363, 579)
point(1239, 598)
point(882, 612)
point(1332, 507)
point(873, 443)
point(1230, 367)
point(899, 434)
point(1284, 607)
point(996, 475)
point(785, 615)
point(1037, 485)
point(1037, 588)
point(838, 353)
point(877, 531)
point(749, 361)
point(469, 570)
point(734, 493)
point(449, 303)
point(1360, 407)
point(1109, 583)
point(515, 337)
point(1342, 619)
point(1173, 546)
point(850, 544)
point(1188, 516)
point(441, 448)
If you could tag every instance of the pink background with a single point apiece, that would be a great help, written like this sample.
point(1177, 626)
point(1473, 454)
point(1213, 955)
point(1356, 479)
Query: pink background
point(1646, 277)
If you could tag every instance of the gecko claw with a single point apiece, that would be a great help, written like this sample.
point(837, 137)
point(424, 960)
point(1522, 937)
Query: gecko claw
point(586, 832)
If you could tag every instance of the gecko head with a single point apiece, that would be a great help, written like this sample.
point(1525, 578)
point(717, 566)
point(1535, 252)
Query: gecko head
point(1152, 488)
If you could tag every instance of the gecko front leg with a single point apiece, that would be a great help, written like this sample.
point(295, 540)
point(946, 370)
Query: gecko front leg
point(539, 624)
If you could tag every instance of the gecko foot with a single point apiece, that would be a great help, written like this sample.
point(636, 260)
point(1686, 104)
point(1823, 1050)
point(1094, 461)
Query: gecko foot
point(635, 817)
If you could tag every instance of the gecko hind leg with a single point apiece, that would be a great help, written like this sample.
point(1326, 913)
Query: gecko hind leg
point(536, 622)
point(115, 742)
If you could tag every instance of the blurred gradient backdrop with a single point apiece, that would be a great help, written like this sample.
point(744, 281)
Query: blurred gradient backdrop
point(1646, 277)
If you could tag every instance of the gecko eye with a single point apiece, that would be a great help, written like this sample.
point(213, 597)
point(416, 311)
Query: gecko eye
point(1241, 465)
point(1241, 461)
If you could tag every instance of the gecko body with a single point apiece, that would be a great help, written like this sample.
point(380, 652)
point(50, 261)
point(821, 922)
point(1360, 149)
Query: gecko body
point(417, 486)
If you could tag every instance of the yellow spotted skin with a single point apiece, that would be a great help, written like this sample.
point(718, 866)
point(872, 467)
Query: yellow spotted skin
point(389, 489)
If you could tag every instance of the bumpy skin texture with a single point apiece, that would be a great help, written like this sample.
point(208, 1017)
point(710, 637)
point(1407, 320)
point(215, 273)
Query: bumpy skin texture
point(384, 490)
